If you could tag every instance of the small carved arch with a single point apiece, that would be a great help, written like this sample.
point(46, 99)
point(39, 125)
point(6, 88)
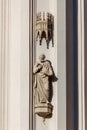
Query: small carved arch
point(49, 35)
point(43, 34)
point(38, 34)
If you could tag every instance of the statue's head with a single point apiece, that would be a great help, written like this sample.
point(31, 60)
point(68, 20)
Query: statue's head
point(42, 57)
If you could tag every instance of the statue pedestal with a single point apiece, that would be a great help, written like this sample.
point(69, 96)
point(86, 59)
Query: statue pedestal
point(44, 110)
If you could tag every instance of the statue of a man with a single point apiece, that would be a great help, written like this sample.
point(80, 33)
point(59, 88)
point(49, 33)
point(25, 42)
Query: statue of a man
point(42, 71)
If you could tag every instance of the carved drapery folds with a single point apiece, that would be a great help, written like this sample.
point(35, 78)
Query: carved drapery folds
point(45, 28)
point(43, 73)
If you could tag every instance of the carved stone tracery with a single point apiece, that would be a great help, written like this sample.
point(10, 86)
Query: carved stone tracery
point(45, 27)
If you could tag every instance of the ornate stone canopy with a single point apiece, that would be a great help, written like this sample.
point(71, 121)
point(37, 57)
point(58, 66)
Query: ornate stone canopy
point(45, 27)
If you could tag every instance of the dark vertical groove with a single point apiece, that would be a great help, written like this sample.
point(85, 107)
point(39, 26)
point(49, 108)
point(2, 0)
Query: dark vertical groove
point(72, 63)
point(69, 65)
point(75, 42)
point(30, 12)
point(30, 64)
point(85, 42)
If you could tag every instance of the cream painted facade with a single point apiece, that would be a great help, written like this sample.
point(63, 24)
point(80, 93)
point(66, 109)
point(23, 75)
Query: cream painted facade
point(15, 98)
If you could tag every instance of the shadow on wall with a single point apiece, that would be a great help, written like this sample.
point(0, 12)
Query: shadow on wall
point(52, 79)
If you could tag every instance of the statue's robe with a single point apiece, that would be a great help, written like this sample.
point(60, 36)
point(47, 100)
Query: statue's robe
point(42, 87)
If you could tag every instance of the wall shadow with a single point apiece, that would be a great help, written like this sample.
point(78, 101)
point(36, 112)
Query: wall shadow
point(72, 64)
point(52, 79)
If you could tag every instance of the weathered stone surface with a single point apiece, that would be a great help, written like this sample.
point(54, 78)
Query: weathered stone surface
point(44, 110)
point(43, 72)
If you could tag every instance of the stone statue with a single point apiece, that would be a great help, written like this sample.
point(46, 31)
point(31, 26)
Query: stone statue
point(42, 71)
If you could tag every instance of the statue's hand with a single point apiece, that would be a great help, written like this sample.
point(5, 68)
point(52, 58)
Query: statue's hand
point(37, 64)
point(39, 67)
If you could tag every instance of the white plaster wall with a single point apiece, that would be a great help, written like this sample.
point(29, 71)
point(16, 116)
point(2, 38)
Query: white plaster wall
point(81, 66)
point(18, 94)
point(61, 40)
point(0, 72)
point(57, 55)
point(0, 75)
